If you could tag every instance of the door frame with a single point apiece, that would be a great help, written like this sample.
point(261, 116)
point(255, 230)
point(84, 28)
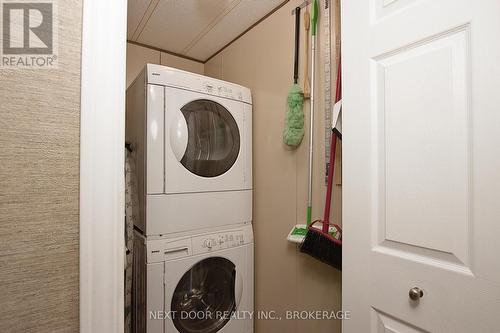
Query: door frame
point(102, 141)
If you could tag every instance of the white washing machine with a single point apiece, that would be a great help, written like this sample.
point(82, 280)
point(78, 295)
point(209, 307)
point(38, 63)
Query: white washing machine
point(196, 284)
point(193, 140)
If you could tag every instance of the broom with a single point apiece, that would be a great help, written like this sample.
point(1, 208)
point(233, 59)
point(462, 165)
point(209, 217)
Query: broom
point(325, 244)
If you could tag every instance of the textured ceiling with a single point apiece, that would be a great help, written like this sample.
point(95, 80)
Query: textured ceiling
point(193, 28)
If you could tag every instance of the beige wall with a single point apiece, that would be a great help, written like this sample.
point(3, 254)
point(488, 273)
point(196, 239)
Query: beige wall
point(138, 56)
point(262, 60)
point(39, 175)
point(285, 278)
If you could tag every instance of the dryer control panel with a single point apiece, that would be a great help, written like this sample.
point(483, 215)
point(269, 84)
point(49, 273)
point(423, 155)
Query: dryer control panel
point(171, 77)
point(222, 90)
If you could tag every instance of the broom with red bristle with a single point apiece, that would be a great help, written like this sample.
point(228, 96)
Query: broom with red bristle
point(323, 243)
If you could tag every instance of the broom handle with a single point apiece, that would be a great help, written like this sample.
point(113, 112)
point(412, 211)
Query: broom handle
point(329, 188)
point(311, 134)
point(331, 166)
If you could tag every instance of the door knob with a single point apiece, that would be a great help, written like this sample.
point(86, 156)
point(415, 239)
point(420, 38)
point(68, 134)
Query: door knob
point(416, 293)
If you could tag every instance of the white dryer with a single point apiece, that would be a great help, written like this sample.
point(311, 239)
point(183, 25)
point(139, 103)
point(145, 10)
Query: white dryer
point(196, 284)
point(193, 140)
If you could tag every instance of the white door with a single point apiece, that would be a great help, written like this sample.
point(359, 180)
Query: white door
point(421, 157)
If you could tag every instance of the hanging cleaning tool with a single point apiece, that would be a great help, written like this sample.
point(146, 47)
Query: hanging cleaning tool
point(307, 27)
point(300, 230)
point(294, 120)
point(337, 111)
point(314, 21)
point(327, 85)
point(325, 244)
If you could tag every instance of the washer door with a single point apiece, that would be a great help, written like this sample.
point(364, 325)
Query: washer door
point(213, 138)
point(203, 293)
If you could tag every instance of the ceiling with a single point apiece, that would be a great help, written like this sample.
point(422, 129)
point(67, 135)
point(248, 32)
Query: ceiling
point(195, 29)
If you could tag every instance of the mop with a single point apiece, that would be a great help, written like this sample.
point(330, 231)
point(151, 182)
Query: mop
point(294, 120)
point(300, 230)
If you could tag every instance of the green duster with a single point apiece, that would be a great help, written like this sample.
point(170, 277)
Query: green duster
point(294, 120)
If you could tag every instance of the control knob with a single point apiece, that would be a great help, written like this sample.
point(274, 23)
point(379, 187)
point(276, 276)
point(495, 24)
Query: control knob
point(209, 243)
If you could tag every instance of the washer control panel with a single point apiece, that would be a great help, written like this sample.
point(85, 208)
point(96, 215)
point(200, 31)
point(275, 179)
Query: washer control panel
point(166, 249)
point(218, 241)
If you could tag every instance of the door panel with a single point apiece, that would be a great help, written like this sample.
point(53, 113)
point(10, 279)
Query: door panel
point(422, 144)
point(421, 156)
point(383, 323)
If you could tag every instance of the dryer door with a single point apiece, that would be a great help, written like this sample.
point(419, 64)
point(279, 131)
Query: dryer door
point(213, 141)
point(206, 143)
point(205, 296)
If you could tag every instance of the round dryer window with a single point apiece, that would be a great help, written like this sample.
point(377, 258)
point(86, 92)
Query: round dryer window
point(213, 138)
point(204, 293)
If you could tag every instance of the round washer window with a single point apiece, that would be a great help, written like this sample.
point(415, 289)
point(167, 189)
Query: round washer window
point(213, 138)
point(205, 296)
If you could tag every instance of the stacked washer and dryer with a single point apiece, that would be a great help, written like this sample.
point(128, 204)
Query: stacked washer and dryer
point(193, 246)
